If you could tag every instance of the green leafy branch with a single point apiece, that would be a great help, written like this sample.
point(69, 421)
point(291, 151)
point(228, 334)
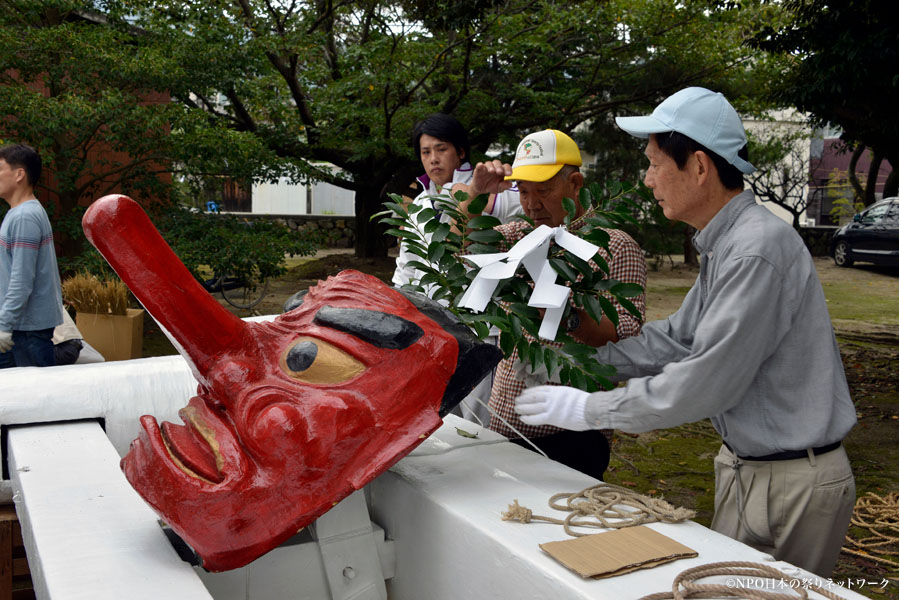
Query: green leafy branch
point(430, 234)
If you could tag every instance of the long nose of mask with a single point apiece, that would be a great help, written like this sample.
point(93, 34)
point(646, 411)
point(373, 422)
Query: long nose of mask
point(291, 415)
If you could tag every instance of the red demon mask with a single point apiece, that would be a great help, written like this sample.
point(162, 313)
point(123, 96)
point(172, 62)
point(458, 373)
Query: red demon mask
point(292, 415)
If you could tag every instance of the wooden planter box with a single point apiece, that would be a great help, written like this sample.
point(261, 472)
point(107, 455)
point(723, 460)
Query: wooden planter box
point(116, 337)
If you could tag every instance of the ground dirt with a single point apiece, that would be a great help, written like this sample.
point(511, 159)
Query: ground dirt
point(677, 463)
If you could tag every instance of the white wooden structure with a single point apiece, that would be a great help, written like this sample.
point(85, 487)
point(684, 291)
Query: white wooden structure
point(437, 531)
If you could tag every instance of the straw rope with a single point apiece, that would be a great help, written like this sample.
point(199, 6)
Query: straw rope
point(602, 502)
point(685, 585)
point(879, 517)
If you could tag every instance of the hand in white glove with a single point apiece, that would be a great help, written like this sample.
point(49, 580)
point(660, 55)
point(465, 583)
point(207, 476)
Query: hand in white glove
point(553, 405)
point(6, 342)
point(533, 378)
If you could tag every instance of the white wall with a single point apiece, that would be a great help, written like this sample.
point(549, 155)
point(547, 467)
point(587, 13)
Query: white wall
point(783, 122)
point(286, 198)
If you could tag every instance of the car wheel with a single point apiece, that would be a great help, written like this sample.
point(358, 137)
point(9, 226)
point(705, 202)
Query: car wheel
point(842, 255)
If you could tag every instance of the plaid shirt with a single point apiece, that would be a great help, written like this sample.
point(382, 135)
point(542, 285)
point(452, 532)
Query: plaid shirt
point(626, 264)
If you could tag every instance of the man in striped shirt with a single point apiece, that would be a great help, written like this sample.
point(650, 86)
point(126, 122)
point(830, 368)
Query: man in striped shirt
point(30, 297)
point(546, 170)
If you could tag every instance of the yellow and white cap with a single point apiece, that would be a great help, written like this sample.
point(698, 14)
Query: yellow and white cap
point(541, 155)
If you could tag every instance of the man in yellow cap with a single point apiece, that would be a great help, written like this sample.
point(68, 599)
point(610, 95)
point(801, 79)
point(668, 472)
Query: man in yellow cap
point(546, 169)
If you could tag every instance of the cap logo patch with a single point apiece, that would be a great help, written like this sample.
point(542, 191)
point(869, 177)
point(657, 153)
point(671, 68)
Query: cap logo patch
point(530, 150)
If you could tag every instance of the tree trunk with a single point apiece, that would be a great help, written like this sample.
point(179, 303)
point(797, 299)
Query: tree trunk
point(690, 252)
point(890, 184)
point(872, 177)
point(851, 172)
point(371, 241)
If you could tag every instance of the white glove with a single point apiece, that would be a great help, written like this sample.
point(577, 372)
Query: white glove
point(6, 342)
point(553, 405)
point(533, 378)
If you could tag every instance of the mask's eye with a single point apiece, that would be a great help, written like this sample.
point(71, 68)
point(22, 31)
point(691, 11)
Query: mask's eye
point(316, 361)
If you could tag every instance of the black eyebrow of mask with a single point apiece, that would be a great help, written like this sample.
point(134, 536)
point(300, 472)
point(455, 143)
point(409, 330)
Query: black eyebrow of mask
point(382, 330)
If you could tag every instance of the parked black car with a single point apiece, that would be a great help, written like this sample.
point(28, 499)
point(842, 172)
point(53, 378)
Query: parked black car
point(870, 237)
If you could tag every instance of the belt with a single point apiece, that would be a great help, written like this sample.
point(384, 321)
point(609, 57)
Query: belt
point(789, 454)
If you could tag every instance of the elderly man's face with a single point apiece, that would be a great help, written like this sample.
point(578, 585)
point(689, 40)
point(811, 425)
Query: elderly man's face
point(542, 200)
point(674, 189)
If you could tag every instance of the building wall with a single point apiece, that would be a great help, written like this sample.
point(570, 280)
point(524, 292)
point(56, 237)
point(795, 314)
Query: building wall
point(783, 123)
point(286, 198)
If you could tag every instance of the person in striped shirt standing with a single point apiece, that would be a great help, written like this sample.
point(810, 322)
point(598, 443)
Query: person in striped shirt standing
point(30, 296)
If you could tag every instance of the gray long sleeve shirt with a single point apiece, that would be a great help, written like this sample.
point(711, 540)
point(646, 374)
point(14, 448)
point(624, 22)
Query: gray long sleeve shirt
point(751, 347)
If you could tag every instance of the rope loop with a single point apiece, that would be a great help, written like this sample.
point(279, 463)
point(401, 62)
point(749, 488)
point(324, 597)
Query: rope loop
point(685, 585)
point(594, 507)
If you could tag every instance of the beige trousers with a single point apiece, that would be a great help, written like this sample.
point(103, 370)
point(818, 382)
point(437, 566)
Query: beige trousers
point(796, 510)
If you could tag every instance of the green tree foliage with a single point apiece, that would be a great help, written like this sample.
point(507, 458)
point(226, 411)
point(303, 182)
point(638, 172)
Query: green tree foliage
point(841, 68)
point(343, 82)
point(88, 89)
point(448, 275)
point(212, 244)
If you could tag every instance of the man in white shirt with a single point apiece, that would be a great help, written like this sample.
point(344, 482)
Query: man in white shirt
point(442, 144)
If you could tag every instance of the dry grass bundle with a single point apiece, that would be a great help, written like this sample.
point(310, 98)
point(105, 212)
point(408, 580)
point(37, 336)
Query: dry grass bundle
point(90, 295)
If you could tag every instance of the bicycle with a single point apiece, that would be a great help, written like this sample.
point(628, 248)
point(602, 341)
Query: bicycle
point(237, 291)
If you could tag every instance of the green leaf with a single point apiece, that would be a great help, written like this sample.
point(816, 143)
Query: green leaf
point(406, 235)
point(628, 290)
point(481, 329)
point(435, 251)
point(478, 203)
point(631, 308)
point(426, 215)
point(520, 287)
point(584, 197)
point(396, 208)
point(484, 222)
point(465, 434)
point(529, 325)
point(440, 233)
point(609, 310)
point(597, 236)
point(394, 222)
point(507, 343)
point(593, 308)
point(564, 269)
point(582, 265)
point(569, 206)
point(550, 361)
point(486, 236)
point(481, 249)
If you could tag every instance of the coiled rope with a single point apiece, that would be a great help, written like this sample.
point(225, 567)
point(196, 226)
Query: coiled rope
point(879, 517)
point(602, 502)
point(685, 585)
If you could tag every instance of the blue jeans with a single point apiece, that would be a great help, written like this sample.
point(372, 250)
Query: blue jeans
point(31, 349)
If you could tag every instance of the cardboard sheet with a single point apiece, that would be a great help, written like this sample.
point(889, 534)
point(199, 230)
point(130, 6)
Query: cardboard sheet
point(616, 552)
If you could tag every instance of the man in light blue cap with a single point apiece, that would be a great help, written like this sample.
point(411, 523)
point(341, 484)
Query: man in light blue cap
point(751, 348)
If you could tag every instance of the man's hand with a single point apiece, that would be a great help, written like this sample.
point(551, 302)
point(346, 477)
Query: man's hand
point(6, 342)
point(553, 405)
point(488, 178)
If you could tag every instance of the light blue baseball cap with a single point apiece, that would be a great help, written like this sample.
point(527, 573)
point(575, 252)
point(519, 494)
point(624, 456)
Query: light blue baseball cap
point(704, 116)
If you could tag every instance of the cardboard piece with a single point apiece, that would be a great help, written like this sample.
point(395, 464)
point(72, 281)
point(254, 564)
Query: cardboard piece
point(616, 552)
point(116, 337)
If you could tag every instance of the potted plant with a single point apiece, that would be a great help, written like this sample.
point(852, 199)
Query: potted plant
point(103, 317)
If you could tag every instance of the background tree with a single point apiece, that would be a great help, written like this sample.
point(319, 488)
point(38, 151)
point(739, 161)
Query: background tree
point(783, 164)
point(343, 82)
point(89, 91)
point(841, 67)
